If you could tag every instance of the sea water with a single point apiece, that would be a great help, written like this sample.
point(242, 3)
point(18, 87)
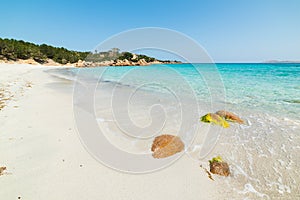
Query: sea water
point(262, 153)
point(270, 88)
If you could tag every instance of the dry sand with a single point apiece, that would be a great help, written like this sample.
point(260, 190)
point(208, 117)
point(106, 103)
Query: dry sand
point(46, 160)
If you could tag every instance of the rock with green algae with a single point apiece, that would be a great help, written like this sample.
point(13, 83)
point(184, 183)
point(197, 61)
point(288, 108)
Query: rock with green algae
point(216, 159)
point(218, 166)
point(214, 118)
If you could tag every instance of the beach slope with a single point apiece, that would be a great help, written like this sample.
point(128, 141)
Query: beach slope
point(46, 160)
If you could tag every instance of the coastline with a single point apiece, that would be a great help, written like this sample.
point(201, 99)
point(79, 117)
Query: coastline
point(82, 64)
point(46, 160)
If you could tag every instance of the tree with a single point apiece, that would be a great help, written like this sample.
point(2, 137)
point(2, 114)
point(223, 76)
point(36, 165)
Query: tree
point(126, 55)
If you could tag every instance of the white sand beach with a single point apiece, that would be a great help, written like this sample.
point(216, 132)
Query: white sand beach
point(113, 100)
point(45, 159)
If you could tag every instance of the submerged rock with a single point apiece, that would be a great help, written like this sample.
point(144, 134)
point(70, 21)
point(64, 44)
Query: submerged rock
point(166, 145)
point(218, 166)
point(214, 118)
point(229, 116)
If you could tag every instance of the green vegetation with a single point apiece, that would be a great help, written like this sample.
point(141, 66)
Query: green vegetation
point(11, 49)
point(114, 54)
point(126, 55)
point(129, 56)
point(146, 58)
point(216, 159)
point(214, 118)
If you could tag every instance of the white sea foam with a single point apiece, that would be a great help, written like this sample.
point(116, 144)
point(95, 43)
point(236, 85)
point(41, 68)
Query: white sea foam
point(249, 188)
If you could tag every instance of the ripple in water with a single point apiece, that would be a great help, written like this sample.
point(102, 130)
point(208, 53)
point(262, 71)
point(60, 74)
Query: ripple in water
point(264, 158)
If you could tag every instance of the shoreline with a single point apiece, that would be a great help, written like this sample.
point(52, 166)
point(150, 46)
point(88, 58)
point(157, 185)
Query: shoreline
point(86, 64)
point(46, 160)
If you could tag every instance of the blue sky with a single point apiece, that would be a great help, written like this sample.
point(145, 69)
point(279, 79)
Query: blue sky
point(230, 31)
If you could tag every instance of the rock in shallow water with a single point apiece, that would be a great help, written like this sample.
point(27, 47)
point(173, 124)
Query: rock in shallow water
point(218, 166)
point(166, 145)
point(229, 116)
point(214, 118)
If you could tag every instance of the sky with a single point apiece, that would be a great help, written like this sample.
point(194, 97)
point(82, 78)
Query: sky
point(229, 30)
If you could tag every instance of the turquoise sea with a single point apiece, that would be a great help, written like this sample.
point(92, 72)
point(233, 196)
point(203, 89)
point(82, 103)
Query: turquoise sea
point(270, 88)
point(263, 153)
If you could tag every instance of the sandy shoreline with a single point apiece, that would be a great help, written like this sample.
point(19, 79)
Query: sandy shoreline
point(45, 159)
